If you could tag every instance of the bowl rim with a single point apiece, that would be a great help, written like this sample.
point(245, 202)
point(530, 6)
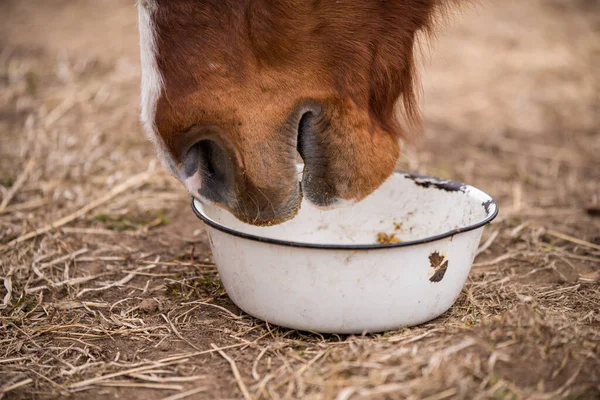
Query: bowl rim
point(489, 204)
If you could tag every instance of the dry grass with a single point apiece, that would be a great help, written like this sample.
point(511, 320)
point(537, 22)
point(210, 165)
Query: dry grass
point(108, 285)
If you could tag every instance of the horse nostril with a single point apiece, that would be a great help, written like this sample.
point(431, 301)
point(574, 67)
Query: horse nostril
point(215, 168)
point(304, 128)
point(211, 157)
point(309, 117)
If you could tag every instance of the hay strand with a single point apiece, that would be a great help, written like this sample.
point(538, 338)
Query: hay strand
point(133, 182)
point(17, 185)
point(236, 372)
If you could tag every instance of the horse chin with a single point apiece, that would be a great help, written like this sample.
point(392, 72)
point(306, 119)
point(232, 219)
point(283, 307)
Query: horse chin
point(261, 207)
point(274, 219)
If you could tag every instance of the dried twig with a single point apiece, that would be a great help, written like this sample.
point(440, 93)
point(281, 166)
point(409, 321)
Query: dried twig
point(58, 260)
point(95, 231)
point(121, 282)
point(231, 314)
point(488, 242)
point(236, 372)
point(17, 185)
point(148, 378)
point(185, 394)
point(8, 295)
point(178, 264)
point(159, 363)
point(98, 379)
point(147, 385)
point(14, 386)
point(72, 281)
point(177, 332)
point(28, 205)
point(134, 181)
point(573, 239)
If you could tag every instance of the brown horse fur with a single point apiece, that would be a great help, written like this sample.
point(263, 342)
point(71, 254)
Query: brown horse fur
point(249, 84)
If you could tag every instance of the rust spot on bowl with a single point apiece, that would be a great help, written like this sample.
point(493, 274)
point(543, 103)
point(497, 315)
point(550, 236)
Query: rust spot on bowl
point(384, 238)
point(439, 264)
point(437, 183)
point(486, 205)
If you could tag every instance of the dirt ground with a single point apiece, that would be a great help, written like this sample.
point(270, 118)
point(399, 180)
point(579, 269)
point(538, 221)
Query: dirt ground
point(121, 300)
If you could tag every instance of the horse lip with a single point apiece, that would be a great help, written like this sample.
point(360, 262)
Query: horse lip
point(285, 212)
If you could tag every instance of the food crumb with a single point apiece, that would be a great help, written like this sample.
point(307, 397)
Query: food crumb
point(384, 238)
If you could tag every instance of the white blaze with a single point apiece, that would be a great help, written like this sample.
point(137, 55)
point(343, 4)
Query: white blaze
point(152, 82)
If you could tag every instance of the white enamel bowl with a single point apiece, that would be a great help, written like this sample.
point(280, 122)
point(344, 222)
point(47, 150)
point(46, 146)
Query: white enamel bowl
point(324, 271)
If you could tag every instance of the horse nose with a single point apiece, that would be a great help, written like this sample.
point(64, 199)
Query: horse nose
point(208, 167)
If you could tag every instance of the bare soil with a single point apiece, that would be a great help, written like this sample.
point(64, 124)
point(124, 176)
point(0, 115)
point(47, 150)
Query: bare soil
point(122, 300)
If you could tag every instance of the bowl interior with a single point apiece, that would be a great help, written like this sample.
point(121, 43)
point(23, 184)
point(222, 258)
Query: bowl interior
point(412, 207)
